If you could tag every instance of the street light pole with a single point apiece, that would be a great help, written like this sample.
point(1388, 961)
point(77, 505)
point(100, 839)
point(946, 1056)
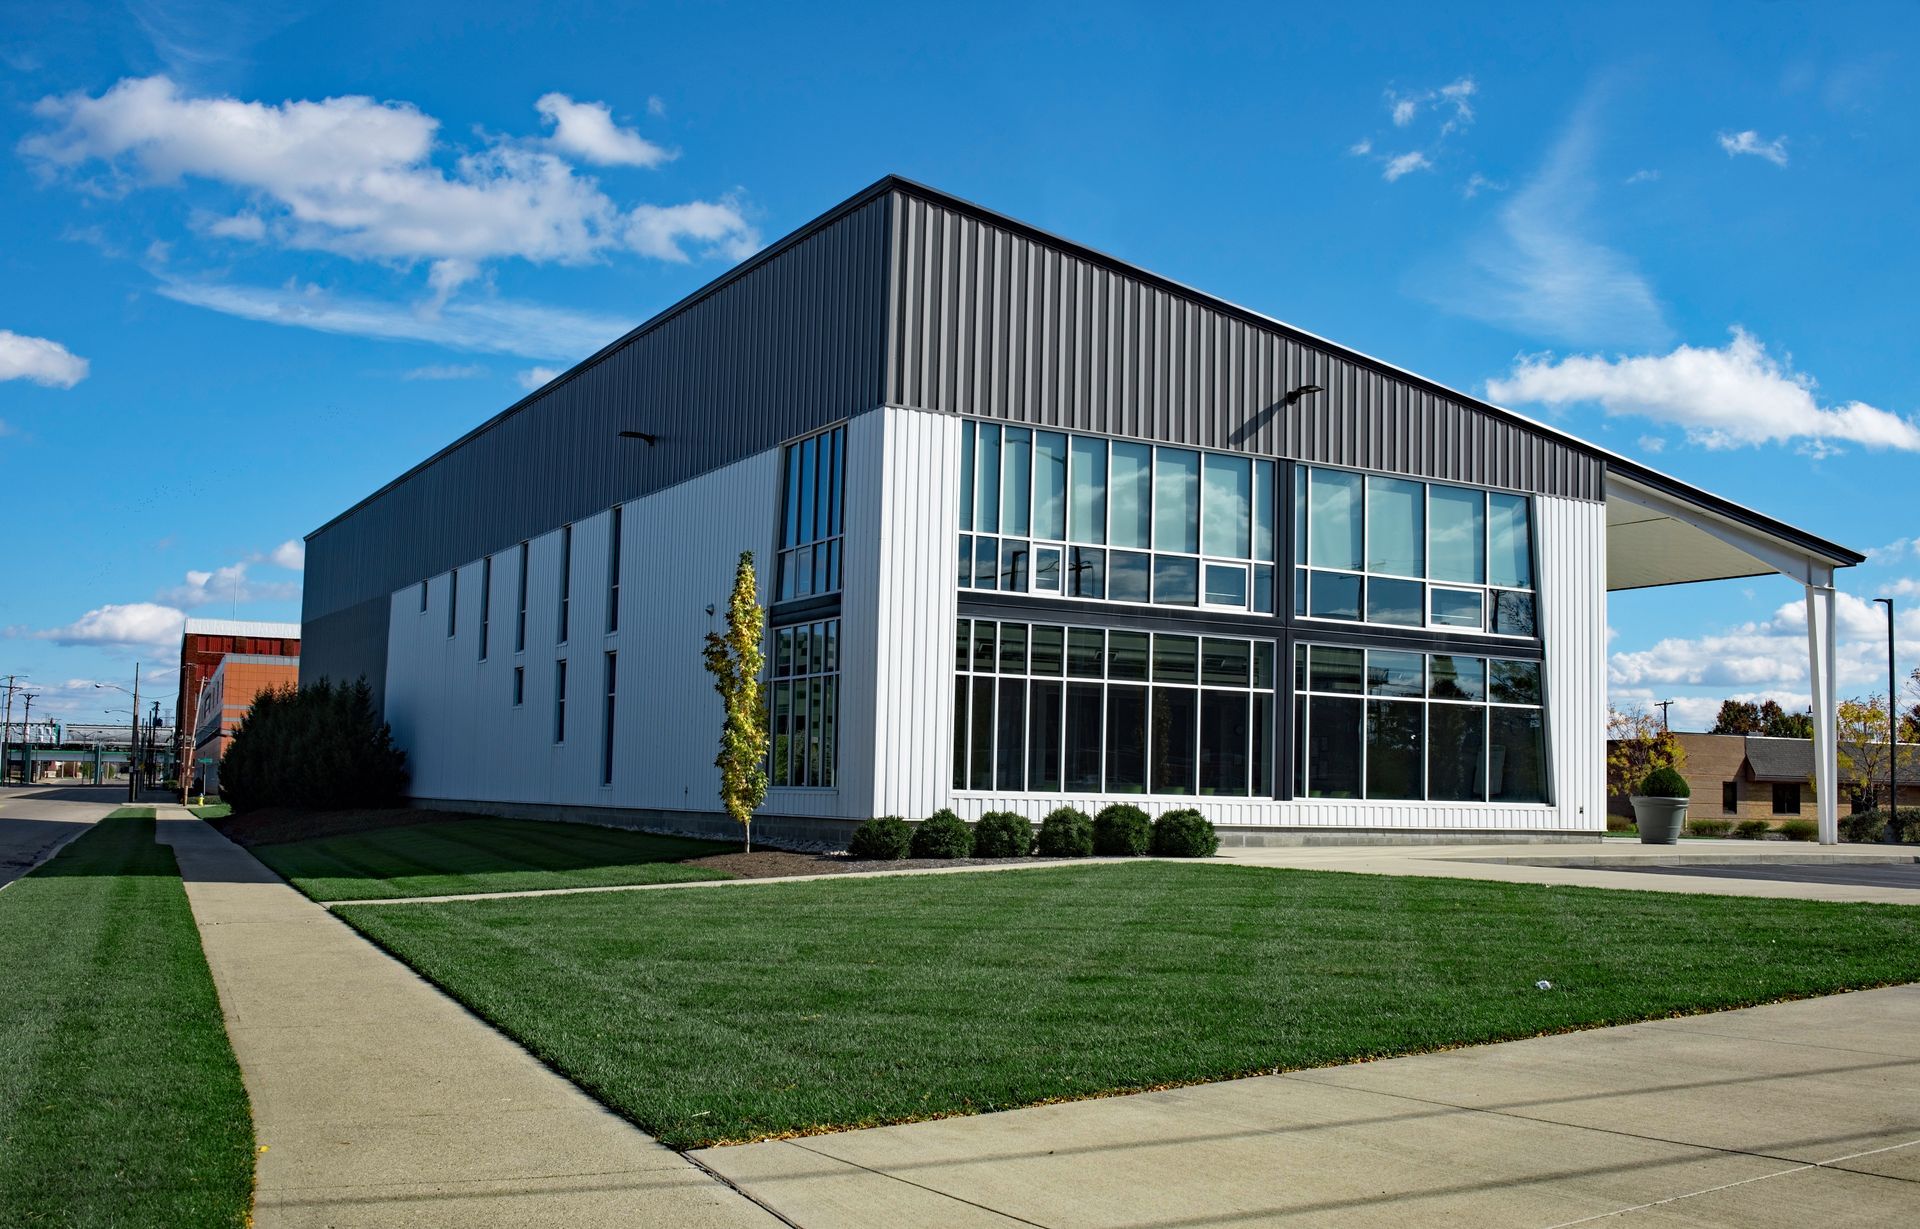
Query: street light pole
point(26, 738)
point(133, 742)
point(1892, 831)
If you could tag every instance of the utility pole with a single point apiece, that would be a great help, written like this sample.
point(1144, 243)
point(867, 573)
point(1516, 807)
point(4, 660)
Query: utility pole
point(26, 737)
point(6, 727)
point(153, 738)
point(133, 742)
point(1892, 831)
point(1663, 706)
point(187, 738)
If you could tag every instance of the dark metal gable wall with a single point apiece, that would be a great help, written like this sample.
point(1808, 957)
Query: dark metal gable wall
point(991, 321)
point(788, 346)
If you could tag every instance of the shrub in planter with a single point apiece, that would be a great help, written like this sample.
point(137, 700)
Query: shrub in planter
point(1709, 827)
point(1065, 833)
point(881, 840)
point(942, 835)
point(1002, 834)
point(1753, 830)
point(1121, 830)
point(1664, 782)
point(1800, 830)
point(1184, 834)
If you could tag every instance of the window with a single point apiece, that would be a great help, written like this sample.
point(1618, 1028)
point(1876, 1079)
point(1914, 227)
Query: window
point(1786, 797)
point(1394, 551)
point(1041, 708)
point(566, 581)
point(613, 573)
point(1730, 797)
point(423, 597)
point(519, 686)
point(1396, 724)
point(606, 727)
point(486, 603)
point(804, 704)
point(520, 620)
point(810, 516)
point(453, 601)
point(560, 700)
point(1114, 520)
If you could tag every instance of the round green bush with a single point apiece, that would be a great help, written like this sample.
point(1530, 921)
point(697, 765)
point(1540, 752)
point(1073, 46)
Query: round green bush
point(1753, 830)
point(1184, 834)
point(1800, 830)
point(942, 835)
point(1121, 830)
point(1002, 834)
point(1664, 782)
point(1065, 833)
point(881, 840)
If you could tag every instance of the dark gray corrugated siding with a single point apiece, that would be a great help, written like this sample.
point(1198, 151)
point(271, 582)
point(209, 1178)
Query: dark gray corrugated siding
point(789, 346)
point(992, 322)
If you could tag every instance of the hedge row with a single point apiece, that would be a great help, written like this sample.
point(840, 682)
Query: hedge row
point(1118, 831)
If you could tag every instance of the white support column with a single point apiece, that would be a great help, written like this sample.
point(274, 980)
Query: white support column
point(1826, 747)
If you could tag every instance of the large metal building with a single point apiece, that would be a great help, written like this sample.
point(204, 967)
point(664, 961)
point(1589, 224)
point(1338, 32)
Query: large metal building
point(1035, 527)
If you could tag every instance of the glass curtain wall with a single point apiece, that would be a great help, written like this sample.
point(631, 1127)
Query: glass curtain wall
point(1393, 551)
point(810, 516)
point(1041, 708)
point(1394, 724)
point(803, 704)
point(1081, 516)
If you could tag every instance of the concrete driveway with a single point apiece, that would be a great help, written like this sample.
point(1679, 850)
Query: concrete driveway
point(36, 820)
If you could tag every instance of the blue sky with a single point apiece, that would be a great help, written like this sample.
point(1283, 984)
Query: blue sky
point(260, 258)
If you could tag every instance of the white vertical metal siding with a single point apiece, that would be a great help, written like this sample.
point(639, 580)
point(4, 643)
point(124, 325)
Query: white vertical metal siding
point(903, 481)
point(1572, 539)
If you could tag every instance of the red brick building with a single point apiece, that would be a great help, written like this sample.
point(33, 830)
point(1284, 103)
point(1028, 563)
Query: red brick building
point(206, 641)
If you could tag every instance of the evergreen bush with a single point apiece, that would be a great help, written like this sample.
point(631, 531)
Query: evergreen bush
point(1709, 827)
point(1869, 826)
point(1664, 782)
point(1065, 833)
point(942, 835)
point(885, 839)
point(1184, 834)
point(1121, 830)
point(1002, 834)
point(320, 747)
point(1800, 830)
point(1753, 830)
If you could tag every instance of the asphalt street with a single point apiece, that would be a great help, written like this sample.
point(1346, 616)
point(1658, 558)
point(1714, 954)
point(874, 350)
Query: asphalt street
point(35, 821)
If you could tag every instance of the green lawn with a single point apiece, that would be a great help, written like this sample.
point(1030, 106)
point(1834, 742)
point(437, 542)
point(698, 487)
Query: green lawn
point(120, 1102)
point(213, 810)
point(482, 855)
point(747, 1012)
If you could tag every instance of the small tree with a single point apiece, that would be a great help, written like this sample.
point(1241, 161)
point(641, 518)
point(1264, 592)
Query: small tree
point(1777, 722)
point(734, 658)
point(1636, 745)
point(1862, 760)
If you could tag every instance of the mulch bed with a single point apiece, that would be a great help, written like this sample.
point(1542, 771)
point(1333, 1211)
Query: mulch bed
point(780, 864)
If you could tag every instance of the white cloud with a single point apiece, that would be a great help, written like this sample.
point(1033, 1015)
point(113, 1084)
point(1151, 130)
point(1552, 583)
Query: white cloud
point(1749, 142)
point(447, 371)
point(1540, 273)
point(488, 325)
point(291, 555)
point(1405, 164)
point(248, 226)
point(37, 359)
point(1643, 176)
point(1729, 397)
point(587, 131)
point(1404, 110)
point(1456, 96)
point(537, 377)
point(229, 584)
point(1906, 586)
point(1652, 443)
point(1361, 148)
point(137, 624)
point(662, 231)
point(1478, 183)
point(358, 177)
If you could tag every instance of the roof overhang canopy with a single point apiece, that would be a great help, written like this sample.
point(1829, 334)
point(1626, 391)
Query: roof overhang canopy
point(1661, 533)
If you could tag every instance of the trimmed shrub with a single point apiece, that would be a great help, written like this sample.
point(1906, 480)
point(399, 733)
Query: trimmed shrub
point(320, 747)
point(1065, 833)
point(1121, 830)
point(1002, 834)
point(1664, 782)
point(1863, 827)
point(942, 835)
point(1621, 823)
point(1753, 830)
point(885, 839)
point(1709, 827)
point(1800, 830)
point(1184, 834)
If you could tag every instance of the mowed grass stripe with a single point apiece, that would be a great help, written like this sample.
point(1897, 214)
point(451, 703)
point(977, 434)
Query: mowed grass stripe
point(120, 1100)
point(481, 855)
point(722, 1016)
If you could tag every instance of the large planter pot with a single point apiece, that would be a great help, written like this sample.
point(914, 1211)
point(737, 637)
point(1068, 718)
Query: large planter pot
point(1659, 819)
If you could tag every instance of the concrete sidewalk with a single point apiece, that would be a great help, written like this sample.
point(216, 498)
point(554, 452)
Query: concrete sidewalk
point(379, 1101)
point(1789, 1115)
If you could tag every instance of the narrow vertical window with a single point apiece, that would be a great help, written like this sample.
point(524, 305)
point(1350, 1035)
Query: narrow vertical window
point(606, 728)
point(810, 519)
point(803, 691)
point(453, 602)
point(519, 686)
point(520, 619)
point(560, 700)
point(566, 580)
point(486, 603)
point(613, 573)
point(423, 597)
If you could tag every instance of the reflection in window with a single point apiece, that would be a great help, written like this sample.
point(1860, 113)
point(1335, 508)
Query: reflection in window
point(803, 702)
point(810, 518)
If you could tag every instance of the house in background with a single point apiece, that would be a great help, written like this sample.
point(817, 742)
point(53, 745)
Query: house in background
point(1035, 527)
point(1747, 776)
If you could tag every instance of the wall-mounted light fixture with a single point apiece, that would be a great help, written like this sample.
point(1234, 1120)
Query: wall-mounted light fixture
point(640, 435)
point(1304, 390)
